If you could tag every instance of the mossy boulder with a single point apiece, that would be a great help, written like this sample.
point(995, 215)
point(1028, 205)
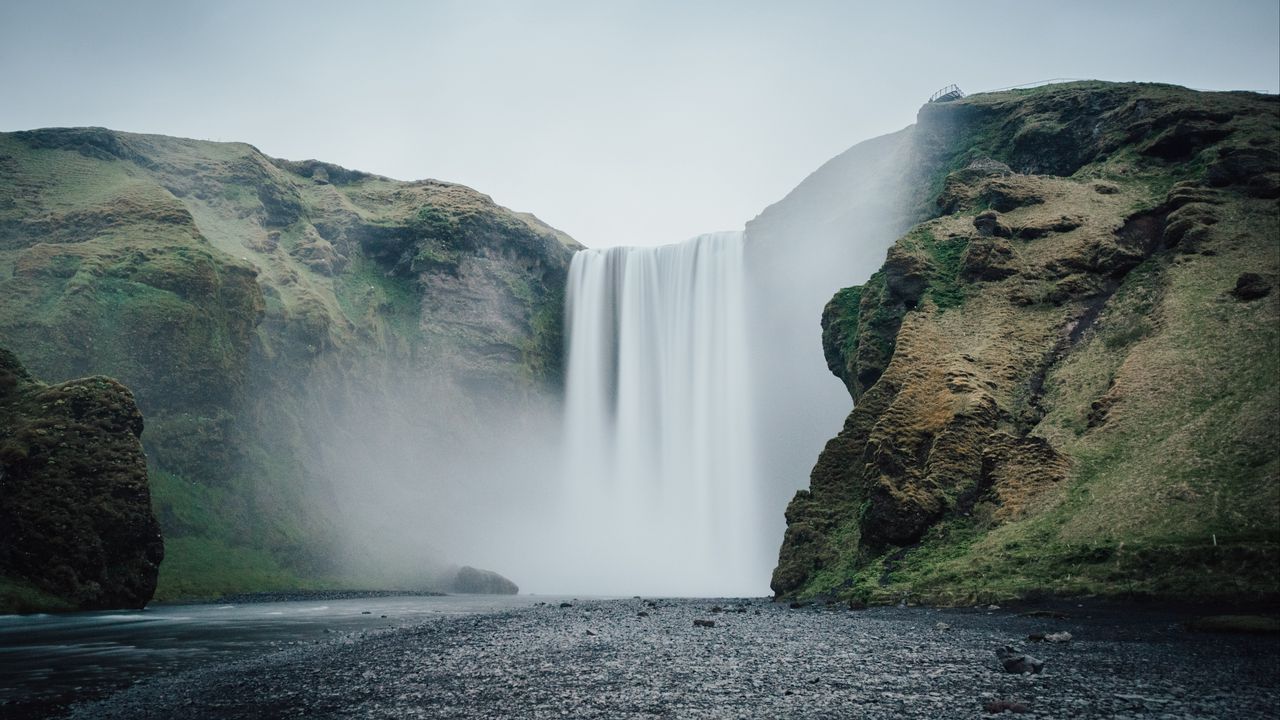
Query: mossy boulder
point(76, 525)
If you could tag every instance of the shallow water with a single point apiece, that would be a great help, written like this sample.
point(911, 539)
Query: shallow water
point(47, 661)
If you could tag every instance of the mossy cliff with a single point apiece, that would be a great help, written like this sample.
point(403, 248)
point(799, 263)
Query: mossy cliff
point(76, 527)
point(1065, 376)
point(252, 305)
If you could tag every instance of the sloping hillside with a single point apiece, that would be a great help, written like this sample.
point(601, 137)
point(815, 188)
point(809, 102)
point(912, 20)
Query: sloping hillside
point(253, 305)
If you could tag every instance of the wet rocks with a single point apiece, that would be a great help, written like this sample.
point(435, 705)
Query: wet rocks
point(1018, 663)
point(1000, 706)
point(882, 664)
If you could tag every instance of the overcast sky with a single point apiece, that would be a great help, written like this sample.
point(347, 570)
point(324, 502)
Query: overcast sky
point(619, 122)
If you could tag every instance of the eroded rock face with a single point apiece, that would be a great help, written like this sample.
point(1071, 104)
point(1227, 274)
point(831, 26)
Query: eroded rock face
point(1006, 352)
point(76, 526)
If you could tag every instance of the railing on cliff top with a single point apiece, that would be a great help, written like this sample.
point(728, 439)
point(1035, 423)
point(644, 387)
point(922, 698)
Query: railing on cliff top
point(947, 94)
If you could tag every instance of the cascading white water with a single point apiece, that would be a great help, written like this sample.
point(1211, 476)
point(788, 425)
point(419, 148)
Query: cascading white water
point(660, 491)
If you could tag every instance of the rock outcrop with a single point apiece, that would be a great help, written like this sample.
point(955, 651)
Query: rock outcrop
point(1044, 397)
point(76, 527)
point(473, 581)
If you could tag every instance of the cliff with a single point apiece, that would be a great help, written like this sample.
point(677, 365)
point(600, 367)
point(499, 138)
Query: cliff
point(1064, 377)
point(76, 527)
point(275, 320)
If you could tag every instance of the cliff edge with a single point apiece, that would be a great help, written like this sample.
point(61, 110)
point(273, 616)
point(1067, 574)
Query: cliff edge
point(1065, 379)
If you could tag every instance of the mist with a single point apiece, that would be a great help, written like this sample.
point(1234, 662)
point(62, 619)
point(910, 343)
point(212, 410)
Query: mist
point(695, 399)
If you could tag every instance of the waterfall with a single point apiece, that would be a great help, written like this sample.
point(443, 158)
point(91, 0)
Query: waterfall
point(660, 494)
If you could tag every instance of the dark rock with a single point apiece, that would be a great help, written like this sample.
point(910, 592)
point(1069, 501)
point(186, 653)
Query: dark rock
point(987, 259)
point(642, 614)
point(1006, 195)
point(1044, 614)
point(988, 224)
point(471, 580)
point(857, 604)
point(999, 706)
point(1251, 286)
point(1018, 663)
point(796, 605)
point(704, 623)
point(76, 522)
point(960, 189)
point(1105, 188)
point(1187, 228)
point(566, 605)
point(1240, 165)
point(1184, 139)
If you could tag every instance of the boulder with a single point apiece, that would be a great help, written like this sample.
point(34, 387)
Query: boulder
point(1018, 663)
point(473, 581)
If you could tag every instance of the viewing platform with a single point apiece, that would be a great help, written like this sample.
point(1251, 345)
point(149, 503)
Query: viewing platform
point(947, 94)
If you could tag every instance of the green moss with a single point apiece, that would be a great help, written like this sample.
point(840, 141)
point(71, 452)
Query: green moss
point(21, 597)
point(209, 567)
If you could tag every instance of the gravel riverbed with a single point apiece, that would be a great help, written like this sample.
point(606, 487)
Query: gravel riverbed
point(645, 659)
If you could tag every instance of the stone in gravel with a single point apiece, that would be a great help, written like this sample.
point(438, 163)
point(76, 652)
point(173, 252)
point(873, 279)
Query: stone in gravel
point(717, 609)
point(1058, 637)
point(941, 626)
point(642, 614)
point(704, 623)
point(591, 633)
point(565, 605)
point(999, 706)
point(1015, 662)
point(993, 607)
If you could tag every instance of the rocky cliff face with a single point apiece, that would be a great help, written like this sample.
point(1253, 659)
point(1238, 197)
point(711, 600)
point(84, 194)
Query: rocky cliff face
point(76, 527)
point(253, 305)
point(1065, 379)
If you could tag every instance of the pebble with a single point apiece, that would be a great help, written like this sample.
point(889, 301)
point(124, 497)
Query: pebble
point(878, 664)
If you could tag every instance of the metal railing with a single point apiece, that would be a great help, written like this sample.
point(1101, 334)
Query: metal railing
point(947, 94)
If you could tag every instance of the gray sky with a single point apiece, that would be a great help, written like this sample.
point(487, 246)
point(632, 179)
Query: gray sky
point(619, 122)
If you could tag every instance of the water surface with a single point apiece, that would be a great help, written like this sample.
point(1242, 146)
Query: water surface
point(47, 661)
